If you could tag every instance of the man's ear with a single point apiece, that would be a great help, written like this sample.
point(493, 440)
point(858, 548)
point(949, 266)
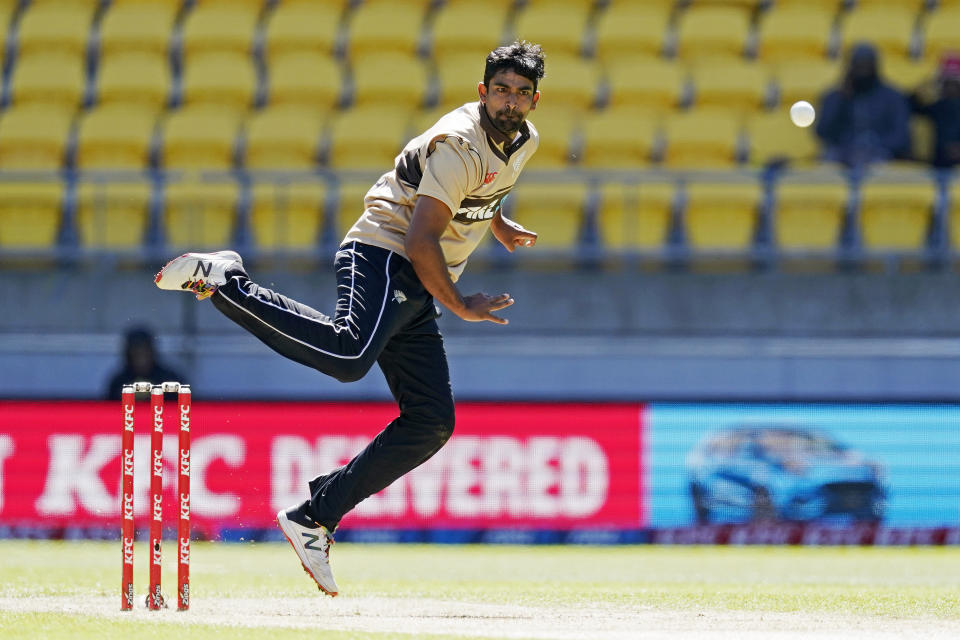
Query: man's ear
point(482, 90)
point(536, 99)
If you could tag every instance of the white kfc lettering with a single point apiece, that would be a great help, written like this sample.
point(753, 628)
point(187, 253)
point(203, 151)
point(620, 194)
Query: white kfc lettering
point(128, 417)
point(128, 551)
point(231, 451)
point(128, 507)
point(158, 463)
point(156, 555)
point(6, 450)
point(184, 550)
point(185, 462)
point(184, 506)
point(184, 417)
point(73, 475)
point(158, 508)
point(158, 418)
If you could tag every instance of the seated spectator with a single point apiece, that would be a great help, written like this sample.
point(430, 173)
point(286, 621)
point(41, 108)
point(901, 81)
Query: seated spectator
point(939, 100)
point(140, 363)
point(864, 120)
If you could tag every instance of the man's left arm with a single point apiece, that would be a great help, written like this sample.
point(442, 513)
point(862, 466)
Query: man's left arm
point(511, 234)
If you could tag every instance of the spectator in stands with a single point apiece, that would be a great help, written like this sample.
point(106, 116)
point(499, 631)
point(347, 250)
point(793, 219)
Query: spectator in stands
point(140, 363)
point(939, 100)
point(864, 120)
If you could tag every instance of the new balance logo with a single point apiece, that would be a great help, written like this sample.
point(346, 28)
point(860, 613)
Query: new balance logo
point(399, 296)
point(203, 267)
point(310, 540)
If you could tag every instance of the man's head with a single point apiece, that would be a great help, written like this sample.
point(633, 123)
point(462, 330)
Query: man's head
point(863, 68)
point(509, 88)
point(950, 74)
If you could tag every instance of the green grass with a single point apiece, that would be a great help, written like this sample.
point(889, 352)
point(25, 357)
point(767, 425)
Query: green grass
point(888, 583)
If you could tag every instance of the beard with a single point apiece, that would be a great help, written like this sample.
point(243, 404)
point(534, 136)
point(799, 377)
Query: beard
point(507, 121)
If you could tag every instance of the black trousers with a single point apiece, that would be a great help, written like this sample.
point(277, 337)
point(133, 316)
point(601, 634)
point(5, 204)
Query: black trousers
point(383, 315)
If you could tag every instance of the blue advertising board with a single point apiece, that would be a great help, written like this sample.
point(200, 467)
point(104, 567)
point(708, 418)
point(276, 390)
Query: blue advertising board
point(882, 464)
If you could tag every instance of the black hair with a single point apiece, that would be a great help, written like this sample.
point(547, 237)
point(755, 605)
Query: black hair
point(522, 57)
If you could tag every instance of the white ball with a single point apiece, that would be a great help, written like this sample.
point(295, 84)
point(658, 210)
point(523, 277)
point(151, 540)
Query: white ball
point(802, 113)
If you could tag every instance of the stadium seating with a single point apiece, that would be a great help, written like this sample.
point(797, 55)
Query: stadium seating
point(631, 29)
point(702, 138)
point(349, 205)
point(774, 139)
point(636, 216)
point(809, 216)
point(306, 79)
point(733, 84)
point(287, 216)
point(134, 78)
point(457, 77)
point(907, 74)
point(940, 31)
point(115, 137)
point(302, 27)
point(283, 137)
point(62, 27)
point(381, 26)
point(487, 21)
point(226, 80)
point(559, 30)
point(216, 27)
point(888, 27)
point(805, 79)
point(572, 81)
point(199, 215)
point(33, 137)
point(704, 32)
point(367, 138)
point(721, 216)
point(621, 138)
point(201, 137)
point(645, 82)
point(144, 26)
point(389, 79)
point(558, 127)
point(794, 33)
point(30, 214)
point(55, 78)
point(113, 215)
point(895, 217)
point(554, 211)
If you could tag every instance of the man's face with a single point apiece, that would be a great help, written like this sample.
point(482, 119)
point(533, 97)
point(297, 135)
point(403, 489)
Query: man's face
point(508, 100)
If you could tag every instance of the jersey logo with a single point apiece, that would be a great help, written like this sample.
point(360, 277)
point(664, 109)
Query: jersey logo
point(398, 296)
point(490, 177)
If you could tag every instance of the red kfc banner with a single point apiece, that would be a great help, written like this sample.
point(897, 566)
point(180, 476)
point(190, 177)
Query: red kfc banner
point(537, 466)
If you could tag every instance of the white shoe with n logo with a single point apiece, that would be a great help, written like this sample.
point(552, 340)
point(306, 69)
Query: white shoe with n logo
point(199, 273)
point(312, 543)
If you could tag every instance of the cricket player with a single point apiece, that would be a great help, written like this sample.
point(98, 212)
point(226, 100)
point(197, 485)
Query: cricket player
point(420, 223)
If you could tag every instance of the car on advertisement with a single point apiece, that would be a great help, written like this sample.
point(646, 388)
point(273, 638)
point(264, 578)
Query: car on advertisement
point(770, 472)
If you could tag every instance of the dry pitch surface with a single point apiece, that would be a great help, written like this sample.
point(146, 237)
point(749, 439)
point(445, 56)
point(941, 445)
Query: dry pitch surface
point(71, 591)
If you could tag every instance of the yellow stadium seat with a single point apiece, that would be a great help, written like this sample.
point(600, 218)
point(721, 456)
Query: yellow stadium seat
point(911, 4)
point(794, 32)
point(287, 216)
point(631, 28)
point(349, 205)
point(571, 80)
point(385, 26)
point(143, 26)
point(895, 217)
point(367, 138)
point(644, 82)
point(199, 215)
point(555, 211)
point(389, 78)
point(134, 78)
point(557, 127)
point(940, 31)
point(305, 78)
point(33, 137)
point(426, 118)
point(832, 5)
point(60, 27)
point(703, 32)
point(731, 83)
point(7, 10)
point(219, 28)
point(115, 137)
point(202, 137)
point(636, 216)
point(775, 139)
point(907, 74)
point(623, 137)
point(701, 138)
point(113, 215)
point(809, 216)
point(953, 215)
point(557, 27)
point(888, 27)
point(284, 137)
point(30, 214)
point(224, 79)
point(303, 27)
point(805, 79)
point(721, 216)
point(458, 76)
point(55, 78)
point(486, 20)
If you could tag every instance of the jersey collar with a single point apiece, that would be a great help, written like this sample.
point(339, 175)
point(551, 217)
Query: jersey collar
point(500, 143)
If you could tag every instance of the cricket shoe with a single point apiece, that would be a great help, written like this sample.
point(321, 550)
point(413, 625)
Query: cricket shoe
point(312, 543)
point(199, 273)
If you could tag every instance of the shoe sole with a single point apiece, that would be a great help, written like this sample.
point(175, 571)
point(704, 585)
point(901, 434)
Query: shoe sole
point(332, 594)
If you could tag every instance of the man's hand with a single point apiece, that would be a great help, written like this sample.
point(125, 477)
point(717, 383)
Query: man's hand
point(479, 307)
point(511, 234)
